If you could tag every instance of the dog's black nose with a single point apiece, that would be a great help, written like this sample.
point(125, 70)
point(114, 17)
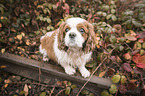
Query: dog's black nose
point(72, 35)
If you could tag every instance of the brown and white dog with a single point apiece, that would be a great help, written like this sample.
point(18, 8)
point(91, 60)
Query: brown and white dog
point(70, 45)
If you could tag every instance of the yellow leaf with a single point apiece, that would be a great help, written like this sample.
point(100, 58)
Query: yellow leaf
point(102, 74)
point(19, 37)
point(27, 43)
point(26, 89)
point(127, 56)
point(2, 66)
point(7, 81)
point(133, 80)
point(0, 25)
point(2, 50)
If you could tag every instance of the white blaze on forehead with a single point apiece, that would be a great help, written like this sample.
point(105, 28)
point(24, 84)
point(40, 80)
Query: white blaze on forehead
point(74, 21)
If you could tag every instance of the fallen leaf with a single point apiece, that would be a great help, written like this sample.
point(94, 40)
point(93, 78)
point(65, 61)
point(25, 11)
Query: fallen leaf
point(110, 71)
point(27, 43)
point(104, 93)
point(67, 90)
point(85, 92)
point(132, 80)
point(2, 66)
point(26, 89)
point(19, 37)
point(127, 56)
point(2, 50)
point(130, 37)
point(123, 79)
point(43, 94)
point(115, 78)
point(113, 89)
point(126, 67)
point(118, 59)
point(7, 83)
point(102, 74)
point(136, 58)
point(0, 25)
point(122, 89)
point(139, 60)
point(137, 70)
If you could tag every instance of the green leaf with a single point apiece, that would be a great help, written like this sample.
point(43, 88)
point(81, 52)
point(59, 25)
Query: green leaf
point(138, 45)
point(143, 45)
point(136, 23)
point(2, 10)
point(73, 86)
point(123, 79)
point(113, 89)
point(127, 22)
point(67, 90)
point(105, 7)
point(128, 12)
point(91, 94)
point(85, 92)
point(69, 83)
point(22, 92)
point(48, 20)
point(112, 39)
point(104, 93)
point(108, 16)
point(114, 18)
point(121, 47)
point(43, 94)
point(113, 11)
point(99, 13)
point(104, 14)
point(115, 78)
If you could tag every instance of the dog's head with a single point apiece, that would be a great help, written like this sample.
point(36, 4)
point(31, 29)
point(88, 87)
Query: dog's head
point(76, 33)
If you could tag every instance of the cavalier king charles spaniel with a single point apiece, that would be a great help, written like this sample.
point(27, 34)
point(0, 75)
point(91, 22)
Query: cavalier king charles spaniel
point(70, 45)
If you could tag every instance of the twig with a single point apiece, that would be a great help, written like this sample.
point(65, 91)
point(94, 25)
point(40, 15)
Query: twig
point(60, 92)
point(91, 76)
point(52, 91)
point(142, 82)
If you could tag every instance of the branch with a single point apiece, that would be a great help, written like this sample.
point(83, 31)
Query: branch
point(91, 76)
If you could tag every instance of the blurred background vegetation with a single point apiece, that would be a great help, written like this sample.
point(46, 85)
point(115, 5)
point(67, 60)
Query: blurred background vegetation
point(119, 27)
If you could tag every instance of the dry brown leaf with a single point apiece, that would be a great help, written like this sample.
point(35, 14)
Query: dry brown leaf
point(102, 74)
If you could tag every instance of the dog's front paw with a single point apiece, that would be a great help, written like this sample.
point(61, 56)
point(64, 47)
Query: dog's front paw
point(45, 58)
point(85, 73)
point(69, 70)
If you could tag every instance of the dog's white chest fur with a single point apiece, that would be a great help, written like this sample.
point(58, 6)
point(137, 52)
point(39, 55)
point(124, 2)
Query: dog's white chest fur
point(74, 57)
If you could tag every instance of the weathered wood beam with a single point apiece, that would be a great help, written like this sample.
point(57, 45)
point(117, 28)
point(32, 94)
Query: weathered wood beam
point(30, 69)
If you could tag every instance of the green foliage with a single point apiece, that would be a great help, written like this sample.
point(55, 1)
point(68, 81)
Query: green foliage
point(135, 17)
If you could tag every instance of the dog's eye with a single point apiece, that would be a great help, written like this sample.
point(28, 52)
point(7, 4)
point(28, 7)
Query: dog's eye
point(82, 30)
point(66, 30)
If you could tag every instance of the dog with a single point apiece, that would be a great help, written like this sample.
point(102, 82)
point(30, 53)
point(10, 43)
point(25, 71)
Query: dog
point(70, 45)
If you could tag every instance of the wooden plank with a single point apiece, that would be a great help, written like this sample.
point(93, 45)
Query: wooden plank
point(30, 68)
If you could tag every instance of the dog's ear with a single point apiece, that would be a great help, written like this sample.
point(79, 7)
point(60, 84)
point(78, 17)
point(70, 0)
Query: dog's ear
point(90, 42)
point(61, 36)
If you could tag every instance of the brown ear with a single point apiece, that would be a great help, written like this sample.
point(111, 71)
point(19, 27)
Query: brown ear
point(89, 44)
point(61, 35)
